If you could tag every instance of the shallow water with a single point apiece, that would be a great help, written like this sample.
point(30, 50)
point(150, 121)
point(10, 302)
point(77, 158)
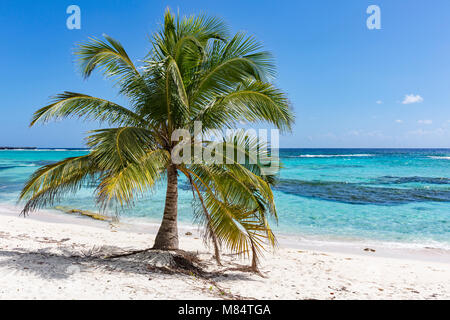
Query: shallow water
point(389, 195)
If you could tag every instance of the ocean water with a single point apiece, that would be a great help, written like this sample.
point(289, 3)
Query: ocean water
point(388, 195)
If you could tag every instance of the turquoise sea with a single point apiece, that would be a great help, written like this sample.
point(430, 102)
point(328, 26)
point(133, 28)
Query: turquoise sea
point(389, 195)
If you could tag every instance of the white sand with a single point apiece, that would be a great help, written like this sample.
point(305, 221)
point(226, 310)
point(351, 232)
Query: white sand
point(49, 256)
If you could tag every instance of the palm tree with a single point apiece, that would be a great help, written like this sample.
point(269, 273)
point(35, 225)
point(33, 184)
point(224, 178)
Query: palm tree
point(194, 72)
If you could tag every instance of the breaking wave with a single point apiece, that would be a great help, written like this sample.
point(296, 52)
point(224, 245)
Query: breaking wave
point(331, 155)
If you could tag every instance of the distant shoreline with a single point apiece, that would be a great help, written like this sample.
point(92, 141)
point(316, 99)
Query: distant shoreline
point(18, 148)
point(284, 148)
point(41, 149)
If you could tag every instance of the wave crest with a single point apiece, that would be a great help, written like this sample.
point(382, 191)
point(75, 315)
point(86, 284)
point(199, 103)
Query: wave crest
point(332, 155)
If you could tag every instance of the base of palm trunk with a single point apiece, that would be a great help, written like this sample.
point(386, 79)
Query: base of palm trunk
point(173, 261)
point(166, 241)
point(161, 258)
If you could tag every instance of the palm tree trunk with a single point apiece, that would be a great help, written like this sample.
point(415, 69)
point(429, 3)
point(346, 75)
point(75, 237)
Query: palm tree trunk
point(167, 237)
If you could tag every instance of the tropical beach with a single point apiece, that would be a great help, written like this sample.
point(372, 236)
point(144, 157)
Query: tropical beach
point(61, 254)
point(51, 256)
point(184, 157)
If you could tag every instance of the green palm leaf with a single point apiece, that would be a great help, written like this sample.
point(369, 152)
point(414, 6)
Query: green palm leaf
point(49, 183)
point(71, 104)
point(138, 177)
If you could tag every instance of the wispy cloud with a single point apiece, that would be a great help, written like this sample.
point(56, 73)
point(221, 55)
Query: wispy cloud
point(434, 132)
point(379, 102)
point(399, 121)
point(361, 133)
point(411, 98)
point(425, 121)
point(354, 133)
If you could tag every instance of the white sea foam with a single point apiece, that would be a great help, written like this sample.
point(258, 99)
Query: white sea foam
point(439, 157)
point(332, 155)
point(59, 150)
point(320, 240)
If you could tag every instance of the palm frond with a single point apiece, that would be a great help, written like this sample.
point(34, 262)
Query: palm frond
point(227, 64)
point(252, 101)
point(113, 61)
point(177, 104)
point(71, 104)
point(49, 183)
point(235, 198)
point(114, 148)
point(135, 178)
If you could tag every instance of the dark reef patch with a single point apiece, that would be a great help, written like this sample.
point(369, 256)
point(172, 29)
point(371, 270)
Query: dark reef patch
point(355, 193)
point(415, 179)
point(8, 167)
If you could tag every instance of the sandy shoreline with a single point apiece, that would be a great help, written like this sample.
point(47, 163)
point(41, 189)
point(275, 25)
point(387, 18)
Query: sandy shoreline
point(54, 256)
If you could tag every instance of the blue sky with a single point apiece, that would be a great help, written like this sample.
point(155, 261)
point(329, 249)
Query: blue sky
point(349, 86)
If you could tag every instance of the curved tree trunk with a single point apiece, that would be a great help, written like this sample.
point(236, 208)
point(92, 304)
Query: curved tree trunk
point(167, 237)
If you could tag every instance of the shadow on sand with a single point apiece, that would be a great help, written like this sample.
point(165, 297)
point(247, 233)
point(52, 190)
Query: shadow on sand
point(63, 262)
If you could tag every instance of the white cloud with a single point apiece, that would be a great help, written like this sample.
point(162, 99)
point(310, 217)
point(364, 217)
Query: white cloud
point(435, 132)
point(399, 121)
point(379, 102)
point(425, 122)
point(354, 133)
point(411, 98)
